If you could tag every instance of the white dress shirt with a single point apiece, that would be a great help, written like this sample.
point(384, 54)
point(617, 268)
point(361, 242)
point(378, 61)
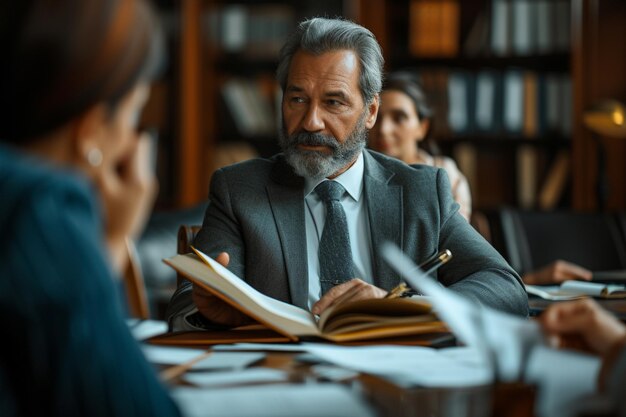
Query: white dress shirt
point(358, 226)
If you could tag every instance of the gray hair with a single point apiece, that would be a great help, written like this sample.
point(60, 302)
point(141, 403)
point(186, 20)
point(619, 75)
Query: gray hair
point(320, 35)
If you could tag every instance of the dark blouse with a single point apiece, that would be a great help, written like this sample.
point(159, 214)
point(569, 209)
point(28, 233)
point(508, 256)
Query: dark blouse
point(65, 350)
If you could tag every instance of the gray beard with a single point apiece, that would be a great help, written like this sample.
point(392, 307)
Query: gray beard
point(318, 165)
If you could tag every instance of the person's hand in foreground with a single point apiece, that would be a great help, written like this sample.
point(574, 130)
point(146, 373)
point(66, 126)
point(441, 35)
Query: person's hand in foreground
point(216, 310)
point(584, 325)
point(352, 290)
point(128, 188)
point(557, 272)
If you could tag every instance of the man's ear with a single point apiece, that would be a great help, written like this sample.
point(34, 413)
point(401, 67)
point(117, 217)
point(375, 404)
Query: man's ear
point(87, 131)
point(372, 110)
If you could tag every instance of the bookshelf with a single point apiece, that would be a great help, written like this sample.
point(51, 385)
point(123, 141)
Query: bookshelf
point(571, 50)
point(579, 58)
point(498, 78)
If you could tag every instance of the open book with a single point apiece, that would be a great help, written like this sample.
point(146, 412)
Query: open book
point(570, 290)
point(353, 321)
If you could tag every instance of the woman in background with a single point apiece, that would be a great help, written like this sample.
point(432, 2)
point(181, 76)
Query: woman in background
point(404, 120)
point(75, 182)
point(403, 124)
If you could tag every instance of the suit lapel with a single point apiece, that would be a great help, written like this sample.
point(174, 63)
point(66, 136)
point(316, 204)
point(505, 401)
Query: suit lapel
point(287, 204)
point(384, 205)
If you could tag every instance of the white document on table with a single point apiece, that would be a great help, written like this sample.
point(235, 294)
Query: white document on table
point(514, 347)
point(563, 378)
point(228, 360)
point(255, 375)
point(144, 329)
point(273, 400)
point(403, 365)
point(165, 355)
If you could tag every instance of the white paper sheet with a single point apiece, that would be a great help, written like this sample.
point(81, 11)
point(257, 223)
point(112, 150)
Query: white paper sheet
point(265, 347)
point(273, 400)
point(404, 365)
point(228, 360)
point(515, 347)
point(144, 329)
point(161, 355)
point(563, 378)
point(238, 377)
point(505, 340)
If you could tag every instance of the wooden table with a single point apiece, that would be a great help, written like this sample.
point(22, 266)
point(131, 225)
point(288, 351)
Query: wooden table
point(388, 399)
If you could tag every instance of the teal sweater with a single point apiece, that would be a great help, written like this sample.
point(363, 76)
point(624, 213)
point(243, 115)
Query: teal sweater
point(65, 350)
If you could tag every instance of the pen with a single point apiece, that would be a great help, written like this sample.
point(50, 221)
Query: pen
point(429, 266)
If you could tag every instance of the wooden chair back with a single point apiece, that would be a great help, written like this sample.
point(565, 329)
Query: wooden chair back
point(135, 286)
point(186, 235)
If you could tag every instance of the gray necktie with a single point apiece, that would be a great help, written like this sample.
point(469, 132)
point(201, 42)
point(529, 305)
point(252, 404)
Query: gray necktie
point(335, 254)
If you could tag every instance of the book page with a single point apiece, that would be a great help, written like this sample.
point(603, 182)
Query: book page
point(282, 317)
point(401, 315)
point(552, 292)
point(571, 290)
point(594, 289)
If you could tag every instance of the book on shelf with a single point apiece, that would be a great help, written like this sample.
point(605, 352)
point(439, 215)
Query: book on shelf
point(485, 108)
point(523, 36)
point(527, 157)
point(526, 27)
point(251, 109)
point(255, 31)
point(513, 112)
point(500, 27)
point(555, 182)
point(531, 99)
point(363, 320)
point(434, 28)
point(461, 98)
point(571, 290)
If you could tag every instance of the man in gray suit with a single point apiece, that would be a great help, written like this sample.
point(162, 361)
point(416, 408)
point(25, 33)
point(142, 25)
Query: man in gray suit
point(266, 219)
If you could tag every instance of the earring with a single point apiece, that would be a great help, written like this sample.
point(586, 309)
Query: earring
point(94, 157)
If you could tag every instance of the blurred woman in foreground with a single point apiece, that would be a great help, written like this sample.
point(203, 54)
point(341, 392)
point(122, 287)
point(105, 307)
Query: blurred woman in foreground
point(76, 183)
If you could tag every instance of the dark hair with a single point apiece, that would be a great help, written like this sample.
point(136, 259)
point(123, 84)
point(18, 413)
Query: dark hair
point(409, 84)
point(64, 56)
point(320, 35)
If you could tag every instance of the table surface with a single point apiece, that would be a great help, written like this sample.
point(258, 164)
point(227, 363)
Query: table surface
point(388, 399)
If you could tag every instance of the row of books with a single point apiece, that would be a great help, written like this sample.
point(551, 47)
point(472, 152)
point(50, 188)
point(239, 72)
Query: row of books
point(508, 27)
point(252, 104)
point(529, 177)
point(257, 31)
point(512, 103)
point(525, 27)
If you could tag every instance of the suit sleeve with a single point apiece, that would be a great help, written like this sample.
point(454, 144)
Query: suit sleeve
point(478, 271)
point(220, 232)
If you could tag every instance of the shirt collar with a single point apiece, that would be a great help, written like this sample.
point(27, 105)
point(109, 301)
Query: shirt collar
point(351, 180)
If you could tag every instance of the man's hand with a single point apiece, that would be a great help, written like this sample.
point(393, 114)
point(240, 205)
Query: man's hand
point(216, 310)
point(586, 326)
point(557, 272)
point(348, 291)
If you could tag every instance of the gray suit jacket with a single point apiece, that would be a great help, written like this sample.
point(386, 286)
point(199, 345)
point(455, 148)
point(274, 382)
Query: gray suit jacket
point(256, 214)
